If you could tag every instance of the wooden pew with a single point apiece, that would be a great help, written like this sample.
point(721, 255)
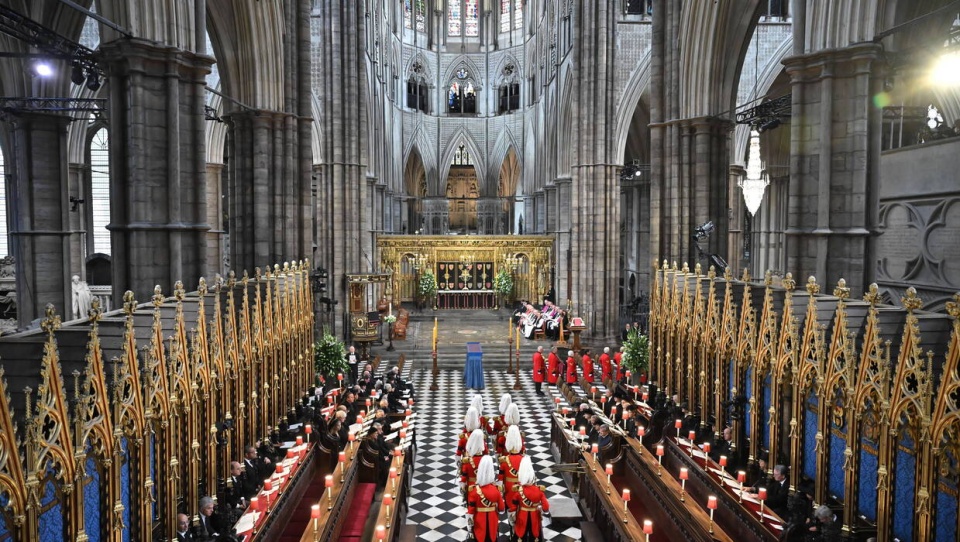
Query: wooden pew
point(399, 489)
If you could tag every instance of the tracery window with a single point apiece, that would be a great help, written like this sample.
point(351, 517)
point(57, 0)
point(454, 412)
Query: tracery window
point(418, 92)
point(463, 18)
point(100, 190)
point(461, 157)
point(462, 96)
point(420, 16)
point(4, 249)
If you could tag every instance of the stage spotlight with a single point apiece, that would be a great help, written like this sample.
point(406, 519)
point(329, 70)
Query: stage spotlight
point(76, 74)
point(768, 125)
point(93, 80)
point(42, 68)
point(704, 230)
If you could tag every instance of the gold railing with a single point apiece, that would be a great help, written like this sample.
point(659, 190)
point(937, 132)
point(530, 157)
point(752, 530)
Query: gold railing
point(843, 391)
point(157, 411)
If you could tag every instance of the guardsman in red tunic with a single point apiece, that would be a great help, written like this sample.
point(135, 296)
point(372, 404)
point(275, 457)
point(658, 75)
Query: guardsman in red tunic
point(587, 366)
point(618, 360)
point(484, 503)
point(605, 373)
point(498, 423)
point(471, 460)
point(471, 421)
point(571, 369)
point(553, 366)
point(512, 418)
point(510, 463)
point(477, 403)
point(528, 501)
point(539, 370)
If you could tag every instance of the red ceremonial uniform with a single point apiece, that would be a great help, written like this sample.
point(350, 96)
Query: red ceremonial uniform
point(468, 470)
point(605, 366)
point(462, 444)
point(502, 442)
point(528, 501)
point(618, 360)
point(553, 368)
point(571, 370)
point(509, 467)
point(485, 503)
point(587, 368)
point(539, 367)
point(498, 425)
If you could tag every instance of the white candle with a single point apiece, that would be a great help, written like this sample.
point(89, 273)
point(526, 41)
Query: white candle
point(391, 308)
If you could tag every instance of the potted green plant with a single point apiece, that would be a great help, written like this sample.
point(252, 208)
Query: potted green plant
point(503, 285)
point(636, 354)
point(329, 357)
point(427, 288)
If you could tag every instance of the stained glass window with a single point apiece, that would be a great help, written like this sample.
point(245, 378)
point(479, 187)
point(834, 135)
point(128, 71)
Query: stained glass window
point(421, 15)
point(454, 18)
point(407, 20)
point(504, 15)
point(473, 18)
point(517, 14)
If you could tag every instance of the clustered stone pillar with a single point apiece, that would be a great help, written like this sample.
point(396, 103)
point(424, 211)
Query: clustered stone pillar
point(158, 212)
point(596, 183)
point(689, 157)
point(344, 242)
point(39, 220)
point(835, 150)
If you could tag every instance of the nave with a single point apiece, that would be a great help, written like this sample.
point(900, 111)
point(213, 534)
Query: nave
point(436, 506)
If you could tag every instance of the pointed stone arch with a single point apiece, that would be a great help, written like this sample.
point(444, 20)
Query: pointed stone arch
point(458, 137)
point(424, 71)
point(501, 77)
point(463, 61)
point(503, 146)
point(637, 87)
point(252, 75)
point(564, 128)
point(424, 148)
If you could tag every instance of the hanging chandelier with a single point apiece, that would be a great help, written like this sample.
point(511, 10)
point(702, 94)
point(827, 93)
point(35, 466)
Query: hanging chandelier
point(754, 184)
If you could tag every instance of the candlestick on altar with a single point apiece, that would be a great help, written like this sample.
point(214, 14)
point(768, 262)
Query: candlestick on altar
point(393, 479)
point(762, 495)
point(381, 532)
point(342, 459)
point(328, 482)
point(741, 477)
point(711, 505)
point(684, 474)
point(308, 429)
point(626, 499)
point(678, 424)
point(647, 528)
point(706, 456)
point(641, 431)
point(659, 458)
point(723, 461)
point(557, 401)
point(593, 391)
point(609, 471)
point(646, 397)
point(594, 449)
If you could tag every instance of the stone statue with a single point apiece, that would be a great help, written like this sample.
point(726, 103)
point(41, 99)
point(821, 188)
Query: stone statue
point(82, 298)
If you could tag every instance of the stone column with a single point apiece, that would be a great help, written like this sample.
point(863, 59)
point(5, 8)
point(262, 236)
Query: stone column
point(215, 256)
point(340, 82)
point(158, 216)
point(833, 192)
point(265, 190)
point(39, 214)
point(81, 219)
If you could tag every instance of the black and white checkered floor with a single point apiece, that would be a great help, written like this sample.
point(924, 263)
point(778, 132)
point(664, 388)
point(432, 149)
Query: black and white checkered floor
point(435, 502)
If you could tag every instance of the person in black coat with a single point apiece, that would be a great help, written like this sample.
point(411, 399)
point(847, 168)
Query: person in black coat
point(183, 528)
point(255, 466)
point(827, 527)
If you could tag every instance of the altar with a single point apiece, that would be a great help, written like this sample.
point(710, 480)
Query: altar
point(464, 268)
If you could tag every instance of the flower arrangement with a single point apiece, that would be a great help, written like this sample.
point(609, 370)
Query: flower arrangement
point(428, 284)
point(503, 283)
point(636, 352)
point(329, 356)
point(390, 318)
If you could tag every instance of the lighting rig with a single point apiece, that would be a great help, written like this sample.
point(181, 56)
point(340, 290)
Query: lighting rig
point(84, 67)
point(768, 115)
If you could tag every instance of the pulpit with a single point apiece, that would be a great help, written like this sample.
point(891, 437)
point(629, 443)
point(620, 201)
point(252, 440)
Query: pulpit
point(576, 326)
